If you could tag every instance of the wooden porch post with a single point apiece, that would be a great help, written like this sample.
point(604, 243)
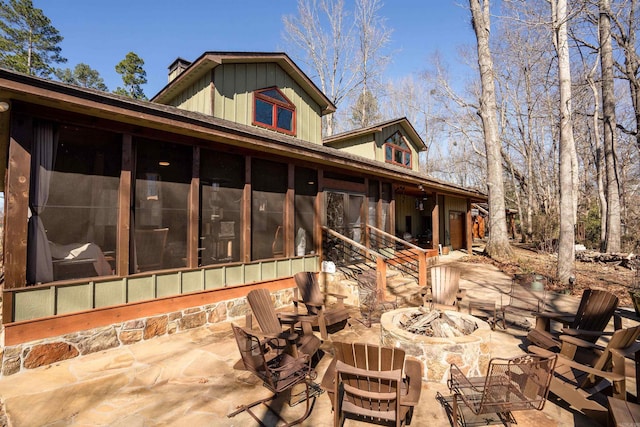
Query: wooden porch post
point(289, 208)
point(16, 202)
point(193, 228)
point(123, 237)
point(381, 278)
point(468, 229)
point(435, 222)
point(245, 224)
point(320, 215)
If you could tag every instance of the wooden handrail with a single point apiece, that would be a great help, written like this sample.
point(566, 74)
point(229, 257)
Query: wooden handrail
point(372, 253)
point(397, 239)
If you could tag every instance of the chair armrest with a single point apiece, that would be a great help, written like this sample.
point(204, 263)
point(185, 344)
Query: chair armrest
point(579, 342)
point(575, 365)
point(413, 377)
point(338, 296)
point(584, 333)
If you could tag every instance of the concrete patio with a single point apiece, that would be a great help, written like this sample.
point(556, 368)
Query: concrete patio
point(188, 378)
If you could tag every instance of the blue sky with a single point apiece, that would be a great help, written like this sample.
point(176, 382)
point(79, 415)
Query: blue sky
point(101, 33)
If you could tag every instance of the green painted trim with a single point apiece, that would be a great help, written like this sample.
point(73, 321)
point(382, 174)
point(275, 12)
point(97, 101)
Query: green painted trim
point(33, 303)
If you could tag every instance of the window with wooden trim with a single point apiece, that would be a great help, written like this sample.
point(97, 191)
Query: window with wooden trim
point(273, 110)
point(396, 150)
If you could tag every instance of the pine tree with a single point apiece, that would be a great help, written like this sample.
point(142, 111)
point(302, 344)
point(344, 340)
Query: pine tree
point(133, 76)
point(28, 42)
point(82, 75)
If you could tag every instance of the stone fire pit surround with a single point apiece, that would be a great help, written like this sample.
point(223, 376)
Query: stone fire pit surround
point(470, 352)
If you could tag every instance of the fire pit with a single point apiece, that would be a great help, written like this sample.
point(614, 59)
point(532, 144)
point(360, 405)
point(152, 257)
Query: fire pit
point(467, 344)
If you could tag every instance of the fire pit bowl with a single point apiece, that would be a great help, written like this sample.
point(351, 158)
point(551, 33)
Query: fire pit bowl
point(471, 353)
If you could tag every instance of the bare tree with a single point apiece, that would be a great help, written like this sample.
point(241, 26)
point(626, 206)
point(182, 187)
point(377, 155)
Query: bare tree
point(625, 28)
point(566, 243)
point(498, 243)
point(609, 129)
point(323, 41)
point(373, 36)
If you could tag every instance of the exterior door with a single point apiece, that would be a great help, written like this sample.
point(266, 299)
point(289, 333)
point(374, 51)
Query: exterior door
point(344, 214)
point(456, 229)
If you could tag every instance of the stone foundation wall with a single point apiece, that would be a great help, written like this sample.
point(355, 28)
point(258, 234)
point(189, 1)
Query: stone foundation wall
point(51, 350)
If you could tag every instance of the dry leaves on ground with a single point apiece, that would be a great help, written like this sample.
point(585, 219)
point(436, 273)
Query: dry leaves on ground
point(613, 278)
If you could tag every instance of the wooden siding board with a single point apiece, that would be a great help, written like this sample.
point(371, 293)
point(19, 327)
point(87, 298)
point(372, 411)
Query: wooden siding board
point(234, 275)
point(252, 273)
point(268, 270)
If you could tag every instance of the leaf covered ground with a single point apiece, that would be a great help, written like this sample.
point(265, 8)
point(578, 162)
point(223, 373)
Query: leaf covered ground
point(609, 276)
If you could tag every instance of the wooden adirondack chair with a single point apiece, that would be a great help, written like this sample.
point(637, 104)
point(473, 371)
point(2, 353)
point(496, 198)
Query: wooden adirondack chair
point(359, 369)
point(594, 313)
point(308, 293)
point(583, 384)
point(271, 323)
point(445, 289)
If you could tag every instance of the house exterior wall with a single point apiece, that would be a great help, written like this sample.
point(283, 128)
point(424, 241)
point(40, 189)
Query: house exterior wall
point(386, 133)
point(196, 97)
point(233, 96)
point(364, 146)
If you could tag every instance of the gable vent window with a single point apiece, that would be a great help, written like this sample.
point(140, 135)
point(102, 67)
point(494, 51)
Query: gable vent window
point(397, 151)
point(274, 111)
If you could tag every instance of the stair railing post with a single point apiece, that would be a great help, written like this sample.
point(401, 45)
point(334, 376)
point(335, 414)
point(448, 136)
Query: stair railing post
point(422, 268)
point(381, 278)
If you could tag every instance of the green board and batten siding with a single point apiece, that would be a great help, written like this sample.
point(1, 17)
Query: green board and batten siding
point(196, 97)
point(62, 299)
point(233, 96)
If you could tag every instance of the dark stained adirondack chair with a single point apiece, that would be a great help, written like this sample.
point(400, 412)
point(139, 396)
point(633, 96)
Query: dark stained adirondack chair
point(278, 373)
point(272, 323)
point(389, 382)
point(515, 384)
point(592, 317)
point(445, 292)
point(323, 316)
point(583, 385)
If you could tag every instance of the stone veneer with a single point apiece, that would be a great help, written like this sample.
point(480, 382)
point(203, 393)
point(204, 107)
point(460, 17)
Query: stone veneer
point(471, 353)
point(51, 350)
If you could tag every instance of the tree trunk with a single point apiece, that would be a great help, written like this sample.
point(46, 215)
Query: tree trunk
point(498, 244)
point(612, 242)
point(566, 245)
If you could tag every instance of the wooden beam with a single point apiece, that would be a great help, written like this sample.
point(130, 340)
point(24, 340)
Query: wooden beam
point(245, 222)
point(17, 202)
point(193, 227)
point(468, 228)
point(320, 214)
point(288, 214)
point(435, 221)
point(124, 242)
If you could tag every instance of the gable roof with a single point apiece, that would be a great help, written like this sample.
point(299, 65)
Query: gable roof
point(378, 127)
point(209, 60)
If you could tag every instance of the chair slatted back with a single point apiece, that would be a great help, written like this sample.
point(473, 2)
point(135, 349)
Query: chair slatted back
point(595, 310)
point(309, 288)
point(445, 284)
point(377, 370)
point(620, 340)
point(150, 246)
point(263, 310)
point(252, 353)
